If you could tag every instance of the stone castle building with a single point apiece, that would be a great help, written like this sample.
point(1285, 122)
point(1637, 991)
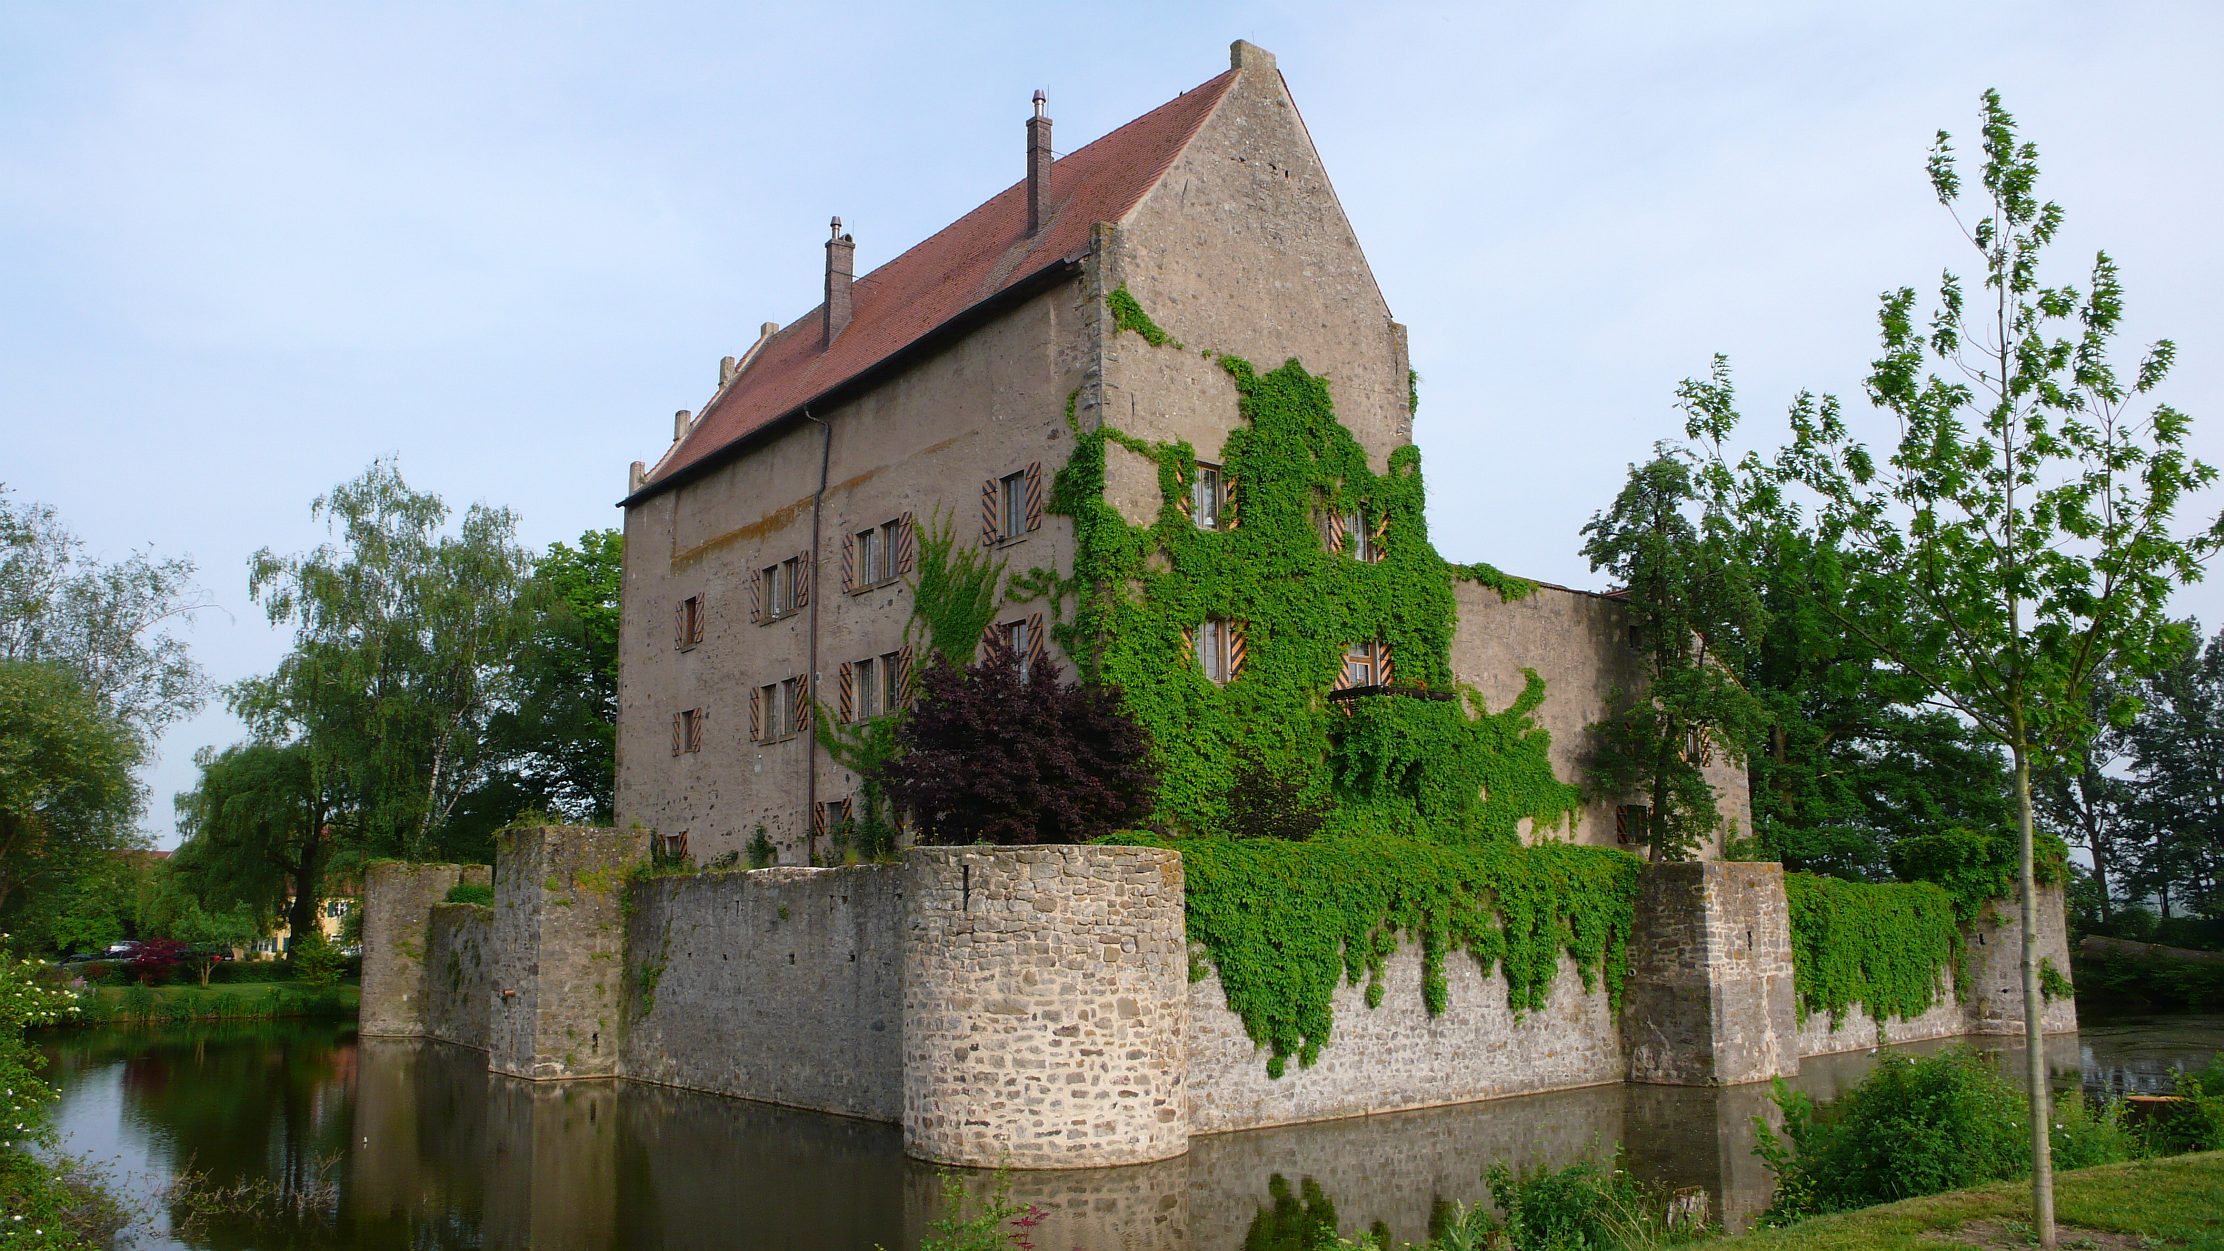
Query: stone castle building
point(767, 550)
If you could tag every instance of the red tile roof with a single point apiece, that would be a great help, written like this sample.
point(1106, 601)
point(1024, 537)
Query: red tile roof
point(984, 253)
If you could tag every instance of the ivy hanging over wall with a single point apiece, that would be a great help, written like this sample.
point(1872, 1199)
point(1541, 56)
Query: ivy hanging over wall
point(1425, 789)
point(1284, 922)
point(1885, 946)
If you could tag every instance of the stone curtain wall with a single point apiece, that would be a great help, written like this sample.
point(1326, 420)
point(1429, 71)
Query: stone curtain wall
point(459, 974)
point(1710, 999)
point(397, 912)
point(1045, 1006)
point(559, 947)
point(778, 985)
point(1398, 1056)
point(1992, 1003)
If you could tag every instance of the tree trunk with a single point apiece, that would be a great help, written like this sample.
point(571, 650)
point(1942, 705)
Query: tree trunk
point(2034, 1005)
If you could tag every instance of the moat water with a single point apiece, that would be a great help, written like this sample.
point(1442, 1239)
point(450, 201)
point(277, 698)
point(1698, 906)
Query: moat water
point(347, 1142)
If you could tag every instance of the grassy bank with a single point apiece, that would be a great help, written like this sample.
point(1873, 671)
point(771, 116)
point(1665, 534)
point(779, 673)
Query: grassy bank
point(164, 1005)
point(2176, 1201)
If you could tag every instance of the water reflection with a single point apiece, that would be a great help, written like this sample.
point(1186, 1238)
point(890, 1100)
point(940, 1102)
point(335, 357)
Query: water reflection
point(411, 1144)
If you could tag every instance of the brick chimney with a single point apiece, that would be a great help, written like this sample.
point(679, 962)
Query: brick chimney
point(841, 267)
point(1038, 166)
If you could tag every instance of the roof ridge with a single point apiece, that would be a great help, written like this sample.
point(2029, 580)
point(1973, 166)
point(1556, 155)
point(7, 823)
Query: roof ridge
point(985, 253)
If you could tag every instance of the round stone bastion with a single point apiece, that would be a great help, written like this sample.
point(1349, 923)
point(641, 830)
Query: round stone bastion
point(1046, 1002)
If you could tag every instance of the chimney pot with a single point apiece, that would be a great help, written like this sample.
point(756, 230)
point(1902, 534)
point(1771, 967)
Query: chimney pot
point(725, 370)
point(841, 268)
point(680, 422)
point(1038, 166)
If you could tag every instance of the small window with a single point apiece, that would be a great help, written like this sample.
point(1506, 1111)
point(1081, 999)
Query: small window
point(869, 559)
point(1219, 649)
point(1207, 496)
point(1019, 637)
point(891, 681)
point(672, 848)
point(793, 701)
point(834, 818)
point(1631, 822)
point(866, 679)
point(693, 722)
point(1013, 493)
point(1359, 538)
point(1366, 664)
point(891, 550)
point(770, 711)
point(691, 621)
point(1695, 746)
point(779, 584)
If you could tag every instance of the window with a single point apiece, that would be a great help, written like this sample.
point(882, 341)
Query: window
point(866, 680)
point(1631, 822)
point(1019, 637)
point(891, 681)
point(876, 556)
point(795, 699)
point(1218, 647)
point(1014, 495)
point(1695, 746)
point(1359, 540)
point(1353, 531)
point(777, 590)
point(868, 558)
point(1207, 496)
point(672, 848)
point(689, 627)
point(1365, 664)
point(687, 731)
point(778, 710)
point(833, 818)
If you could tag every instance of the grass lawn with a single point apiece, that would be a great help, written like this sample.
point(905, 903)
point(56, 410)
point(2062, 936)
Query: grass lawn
point(2176, 1201)
point(233, 1001)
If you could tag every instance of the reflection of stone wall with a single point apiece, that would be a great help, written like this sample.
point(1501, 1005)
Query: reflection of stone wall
point(1044, 1006)
point(397, 908)
point(1710, 976)
point(1397, 1055)
point(459, 974)
point(559, 947)
point(779, 984)
point(1992, 1002)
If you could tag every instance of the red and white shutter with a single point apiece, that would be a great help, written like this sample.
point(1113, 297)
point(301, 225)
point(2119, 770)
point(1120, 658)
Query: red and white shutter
point(1036, 496)
point(756, 714)
point(903, 675)
point(679, 733)
point(1382, 664)
point(803, 703)
point(849, 564)
point(679, 624)
point(757, 596)
point(803, 563)
point(849, 694)
point(907, 545)
point(1235, 649)
point(1229, 517)
point(989, 528)
point(1382, 535)
point(1038, 642)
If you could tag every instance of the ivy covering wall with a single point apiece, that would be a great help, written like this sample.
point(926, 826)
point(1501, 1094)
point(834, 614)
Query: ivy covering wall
point(1425, 789)
point(1887, 946)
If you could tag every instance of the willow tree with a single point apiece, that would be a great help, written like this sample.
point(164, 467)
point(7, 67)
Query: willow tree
point(2017, 536)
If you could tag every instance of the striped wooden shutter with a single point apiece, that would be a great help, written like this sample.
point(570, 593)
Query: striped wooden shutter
point(1229, 517)
point(678, 734)
point(1038, 641)
point(818, 819)
point(803, 703)
point(1382, 534)
point(1181, 493)
point(1035, 497)
point(849, 564)
point(988, 511)
point(849, 809)
point(756, 714)
point(1235, 649)
point(1382, 664)
point(1189, 645)
point(1335, 530)
point(907, 545)
point(849, 695)
point(679, 624)
point(903, 675)
point(991, 638)
point(803, 563)
point(757, 596)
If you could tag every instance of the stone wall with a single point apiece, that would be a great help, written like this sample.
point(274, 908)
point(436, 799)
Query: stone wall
point(1710, 998)
point(558, 940)
point(1044, 1006)
point(778, 985)
point(459, 974)
point(397, 912)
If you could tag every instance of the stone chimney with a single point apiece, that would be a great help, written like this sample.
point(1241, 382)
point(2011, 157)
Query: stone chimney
point(1038, 166)
point(841, 268)
point(1244, 54)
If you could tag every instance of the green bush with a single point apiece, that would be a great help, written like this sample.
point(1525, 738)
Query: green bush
point(1583, 1207)
point(316, 962)
point(2196, 1122)
point(1920, 1127)
point(471, 893)
point(251, 972)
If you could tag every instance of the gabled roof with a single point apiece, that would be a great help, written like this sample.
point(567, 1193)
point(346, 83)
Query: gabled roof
point(983, 254)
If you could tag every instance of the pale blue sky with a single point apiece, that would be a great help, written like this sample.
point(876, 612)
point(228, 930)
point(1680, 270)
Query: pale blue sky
point(248, 247)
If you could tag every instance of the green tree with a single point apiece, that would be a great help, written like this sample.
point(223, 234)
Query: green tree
point(404, 636)
point(108, 623)
point(67, 799)
point(555, 736)
point(2083, 796)
point(258, 829)
point(2176, 747)
point(1685, 595)
point(2016, 538)
point(208, 933)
